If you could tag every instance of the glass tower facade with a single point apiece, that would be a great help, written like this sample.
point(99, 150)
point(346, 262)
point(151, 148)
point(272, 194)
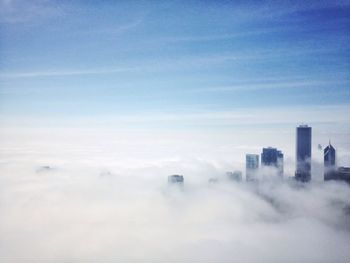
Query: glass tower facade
point(272, 157)
point(329, 156)
point(303, 153)
point(269, 156)
point(252, 166)
point(329, 162)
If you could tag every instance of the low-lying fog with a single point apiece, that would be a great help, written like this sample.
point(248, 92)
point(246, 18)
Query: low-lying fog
point(88, 215)
point(63, 203)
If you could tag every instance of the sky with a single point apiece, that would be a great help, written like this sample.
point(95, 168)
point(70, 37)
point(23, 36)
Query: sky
point(238, 74)
point(86, 58)
point(101, 100)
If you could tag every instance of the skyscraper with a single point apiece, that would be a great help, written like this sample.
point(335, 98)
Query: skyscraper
point(329, 162)
point(303, 153)
point(329, 156)
point(343, 173)
point(269, 156)
point(252, 166)
point(272, 157)
point(280, 163)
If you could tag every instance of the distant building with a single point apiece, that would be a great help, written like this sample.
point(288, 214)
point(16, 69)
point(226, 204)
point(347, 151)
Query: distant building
point(213, 180)
point(44, 169)
point(280, 163)
point(330, 169)
point(176, 179)
point(329, 156)
point(303, 153)
point(272, 157)
point(269, 156)
point(235, 176)
point(252, 166)
point(341, 174)
point(344, 174)
point(331, 172)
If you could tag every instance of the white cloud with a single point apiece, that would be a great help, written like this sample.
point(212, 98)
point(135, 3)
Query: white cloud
point(74, 214)
point(25, 12)
point(106, 198)
point(56, 73)
point(270, 85)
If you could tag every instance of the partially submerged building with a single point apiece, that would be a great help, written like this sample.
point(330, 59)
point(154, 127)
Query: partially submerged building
point(234, 176)
point(303, 153)
point(272, 157)
point(252, 166)
point(176, 179)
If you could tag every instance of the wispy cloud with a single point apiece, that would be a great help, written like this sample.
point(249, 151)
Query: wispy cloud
point(118, 29)
point(58, 73)
point(21, 11)
point(203, 38)
point(183, 62)
point(269, 85)
point(247, 116)
point(216, 118)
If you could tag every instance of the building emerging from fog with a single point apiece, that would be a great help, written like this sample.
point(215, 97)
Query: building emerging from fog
point(343, 173)
point(303, 153)
point(274, 158)
point(176, 179)
point(235, 176)
point(340, 173)
point(331, 171)
point(252, 166)
point(329, 162)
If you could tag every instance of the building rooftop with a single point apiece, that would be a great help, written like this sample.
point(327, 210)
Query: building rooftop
point(175, 178)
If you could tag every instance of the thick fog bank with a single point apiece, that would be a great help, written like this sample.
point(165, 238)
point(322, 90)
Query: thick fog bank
point(77, 214)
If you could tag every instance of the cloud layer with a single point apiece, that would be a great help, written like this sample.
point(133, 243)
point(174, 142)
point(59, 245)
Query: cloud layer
point(75, 208)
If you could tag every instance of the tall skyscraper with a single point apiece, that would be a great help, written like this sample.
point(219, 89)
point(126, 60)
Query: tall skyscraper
point(252, 166)
point(303, 153)
point(329, 156)
point(272, 157)
point(329, 162)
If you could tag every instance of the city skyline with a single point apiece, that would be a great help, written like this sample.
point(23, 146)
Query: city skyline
point(174, 131)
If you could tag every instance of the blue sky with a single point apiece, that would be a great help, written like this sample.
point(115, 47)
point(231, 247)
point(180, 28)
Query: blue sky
point(97, 58)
